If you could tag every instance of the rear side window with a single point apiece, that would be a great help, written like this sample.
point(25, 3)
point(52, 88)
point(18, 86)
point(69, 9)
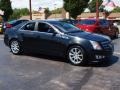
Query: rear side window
point(29, 26)
point(104, 22)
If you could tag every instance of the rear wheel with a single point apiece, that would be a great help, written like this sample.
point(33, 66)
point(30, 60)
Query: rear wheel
point(15, 47)
point(76, 55)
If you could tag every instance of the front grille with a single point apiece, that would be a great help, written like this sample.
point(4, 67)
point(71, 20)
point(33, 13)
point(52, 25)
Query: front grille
point(107, 45)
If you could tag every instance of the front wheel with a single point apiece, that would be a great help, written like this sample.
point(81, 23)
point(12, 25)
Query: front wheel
point(76, 55)
point(116, 34)
point(15, 47)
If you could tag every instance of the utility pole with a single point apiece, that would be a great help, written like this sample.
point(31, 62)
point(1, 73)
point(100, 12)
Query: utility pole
point(97, 10)
point(69, 9)
point(55, 10)
point(30, 7)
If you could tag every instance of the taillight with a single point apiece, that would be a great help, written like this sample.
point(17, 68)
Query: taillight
point(8, 25)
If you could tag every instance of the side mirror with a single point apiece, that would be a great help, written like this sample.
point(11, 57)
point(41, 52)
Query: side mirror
point(51, 30)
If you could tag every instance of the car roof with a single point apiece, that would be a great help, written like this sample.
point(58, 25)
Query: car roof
point(13, 21)
point(93, 19)
point(49, 21)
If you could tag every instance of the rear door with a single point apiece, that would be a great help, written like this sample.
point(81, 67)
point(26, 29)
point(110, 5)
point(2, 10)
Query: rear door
point(28, 35)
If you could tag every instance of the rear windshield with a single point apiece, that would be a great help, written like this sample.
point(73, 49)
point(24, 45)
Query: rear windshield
point(11, 22)
point(19, 25)
point(91, 22)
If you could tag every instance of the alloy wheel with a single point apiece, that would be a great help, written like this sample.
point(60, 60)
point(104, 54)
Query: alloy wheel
point(76, 55)
point(15, 48)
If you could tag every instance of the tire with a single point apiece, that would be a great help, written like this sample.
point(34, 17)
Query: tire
point(76, 55)
point(15, 47)
point(116, 34)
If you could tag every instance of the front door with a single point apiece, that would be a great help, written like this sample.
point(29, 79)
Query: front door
point(49, 41)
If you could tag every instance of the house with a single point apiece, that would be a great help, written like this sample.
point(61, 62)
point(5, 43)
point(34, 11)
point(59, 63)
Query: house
point(55, 16)
point(113, 16)
point(36, 15)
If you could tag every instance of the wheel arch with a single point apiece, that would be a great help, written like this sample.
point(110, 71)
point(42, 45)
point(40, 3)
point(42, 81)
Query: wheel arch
point(71, 45)
point(14, 39)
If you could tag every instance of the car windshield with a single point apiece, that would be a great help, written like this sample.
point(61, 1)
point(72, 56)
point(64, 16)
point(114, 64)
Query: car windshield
point(65, 27)
point(87, 22)
point(70, 21)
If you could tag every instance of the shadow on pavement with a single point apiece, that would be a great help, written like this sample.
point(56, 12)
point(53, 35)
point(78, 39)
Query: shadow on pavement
point(47, 57)
point(103, 63)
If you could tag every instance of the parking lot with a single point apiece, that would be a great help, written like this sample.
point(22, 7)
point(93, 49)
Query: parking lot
point(40, 72)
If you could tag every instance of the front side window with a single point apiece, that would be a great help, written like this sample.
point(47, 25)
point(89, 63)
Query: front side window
point(43, 27)
point(29, 26)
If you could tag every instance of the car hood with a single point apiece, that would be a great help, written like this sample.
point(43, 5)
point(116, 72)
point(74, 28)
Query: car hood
point(90, 36)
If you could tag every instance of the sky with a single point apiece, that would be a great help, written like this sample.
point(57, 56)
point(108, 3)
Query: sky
point(51, 4)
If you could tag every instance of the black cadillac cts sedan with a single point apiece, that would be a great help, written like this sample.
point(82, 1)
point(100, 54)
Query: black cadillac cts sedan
point(59, 39)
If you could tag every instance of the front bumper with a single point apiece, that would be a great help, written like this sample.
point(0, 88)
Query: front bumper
point(98, 55)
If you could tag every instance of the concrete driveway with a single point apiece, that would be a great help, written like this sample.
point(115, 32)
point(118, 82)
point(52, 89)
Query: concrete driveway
point(41, 72)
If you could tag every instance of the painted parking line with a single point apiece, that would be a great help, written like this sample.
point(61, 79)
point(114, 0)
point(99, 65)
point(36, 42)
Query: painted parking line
point(118, 53)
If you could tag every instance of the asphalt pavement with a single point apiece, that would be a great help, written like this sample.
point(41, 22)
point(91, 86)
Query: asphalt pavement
point(41, 72)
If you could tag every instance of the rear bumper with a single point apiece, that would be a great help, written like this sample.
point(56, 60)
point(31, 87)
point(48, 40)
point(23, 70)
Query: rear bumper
point(6, 41)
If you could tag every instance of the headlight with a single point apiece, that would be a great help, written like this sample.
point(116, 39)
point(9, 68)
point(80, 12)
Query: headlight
point(96, 45)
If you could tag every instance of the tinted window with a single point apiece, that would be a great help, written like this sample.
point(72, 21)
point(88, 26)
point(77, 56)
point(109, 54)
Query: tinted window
point(88, 22)
point(104, 22)
point(65, 27)
point(70, 21)
point(16, 22)
point(19, 25)
point(12, 22)
point(29, 26)
point(43, 27)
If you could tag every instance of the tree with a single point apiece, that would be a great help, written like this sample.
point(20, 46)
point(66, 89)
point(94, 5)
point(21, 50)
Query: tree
point(5, 5)
point(75, 7)
point(47, 12)
point(116, 10)
point(58, 11)
point(17, 13)
point(92, 5)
